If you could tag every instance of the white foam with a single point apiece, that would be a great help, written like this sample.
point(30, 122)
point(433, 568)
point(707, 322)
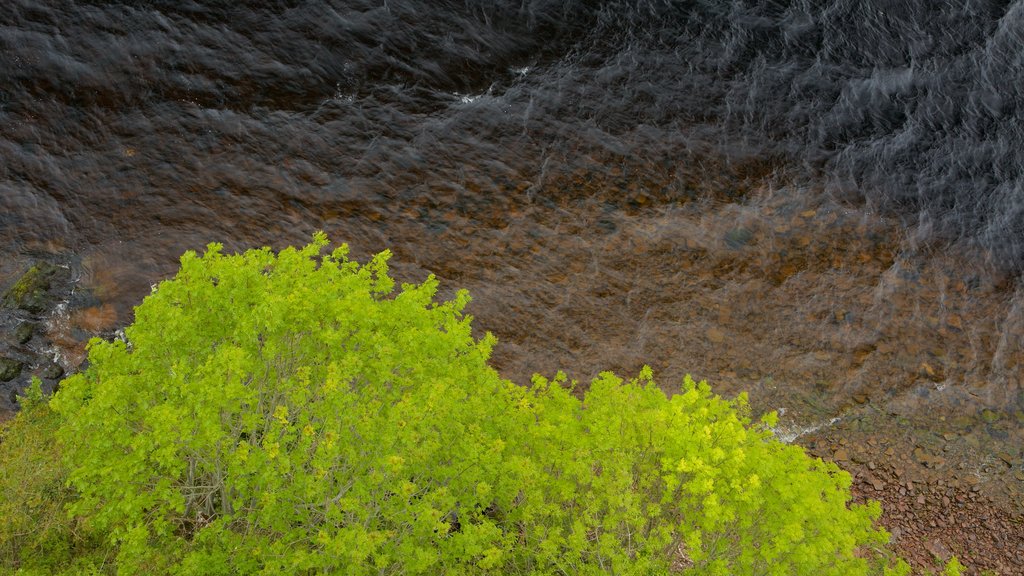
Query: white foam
point(788, 434)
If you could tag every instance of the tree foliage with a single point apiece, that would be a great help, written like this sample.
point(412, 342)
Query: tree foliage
point(36, 536)
point(287, 414)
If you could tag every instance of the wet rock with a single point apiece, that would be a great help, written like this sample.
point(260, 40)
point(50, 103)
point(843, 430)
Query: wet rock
point(934, 374)
point(997, 433)
point(52, 371)
point(1007, 458)
point(963, 422)
point(23, 333)
point(606, 225)
point(9, 369)
point(29, 293)
point(955, 322)
point(927, 459)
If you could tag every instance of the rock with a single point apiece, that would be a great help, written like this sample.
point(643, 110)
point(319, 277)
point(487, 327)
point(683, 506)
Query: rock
point(997, 433)
point(29, 293)
point(715, 335)
point(841, 455)
point(932, 373)
point(842, 316)
point(1006, 457)
point(53, 371)
point(9, 369)
point(23, 333)
point(989, 416)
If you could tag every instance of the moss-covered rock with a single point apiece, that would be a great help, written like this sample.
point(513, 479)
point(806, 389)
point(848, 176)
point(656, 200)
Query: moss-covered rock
point(29, 293)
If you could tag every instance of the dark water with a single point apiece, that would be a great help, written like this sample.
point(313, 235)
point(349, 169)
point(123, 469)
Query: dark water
point(209, 119)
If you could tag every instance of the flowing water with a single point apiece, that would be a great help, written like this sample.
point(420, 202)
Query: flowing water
point(819, 202)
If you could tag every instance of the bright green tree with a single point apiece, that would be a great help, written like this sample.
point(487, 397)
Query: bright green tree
point(287, 414)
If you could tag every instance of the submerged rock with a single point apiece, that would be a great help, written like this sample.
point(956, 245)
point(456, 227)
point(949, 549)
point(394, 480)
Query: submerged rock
point(738, 238)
